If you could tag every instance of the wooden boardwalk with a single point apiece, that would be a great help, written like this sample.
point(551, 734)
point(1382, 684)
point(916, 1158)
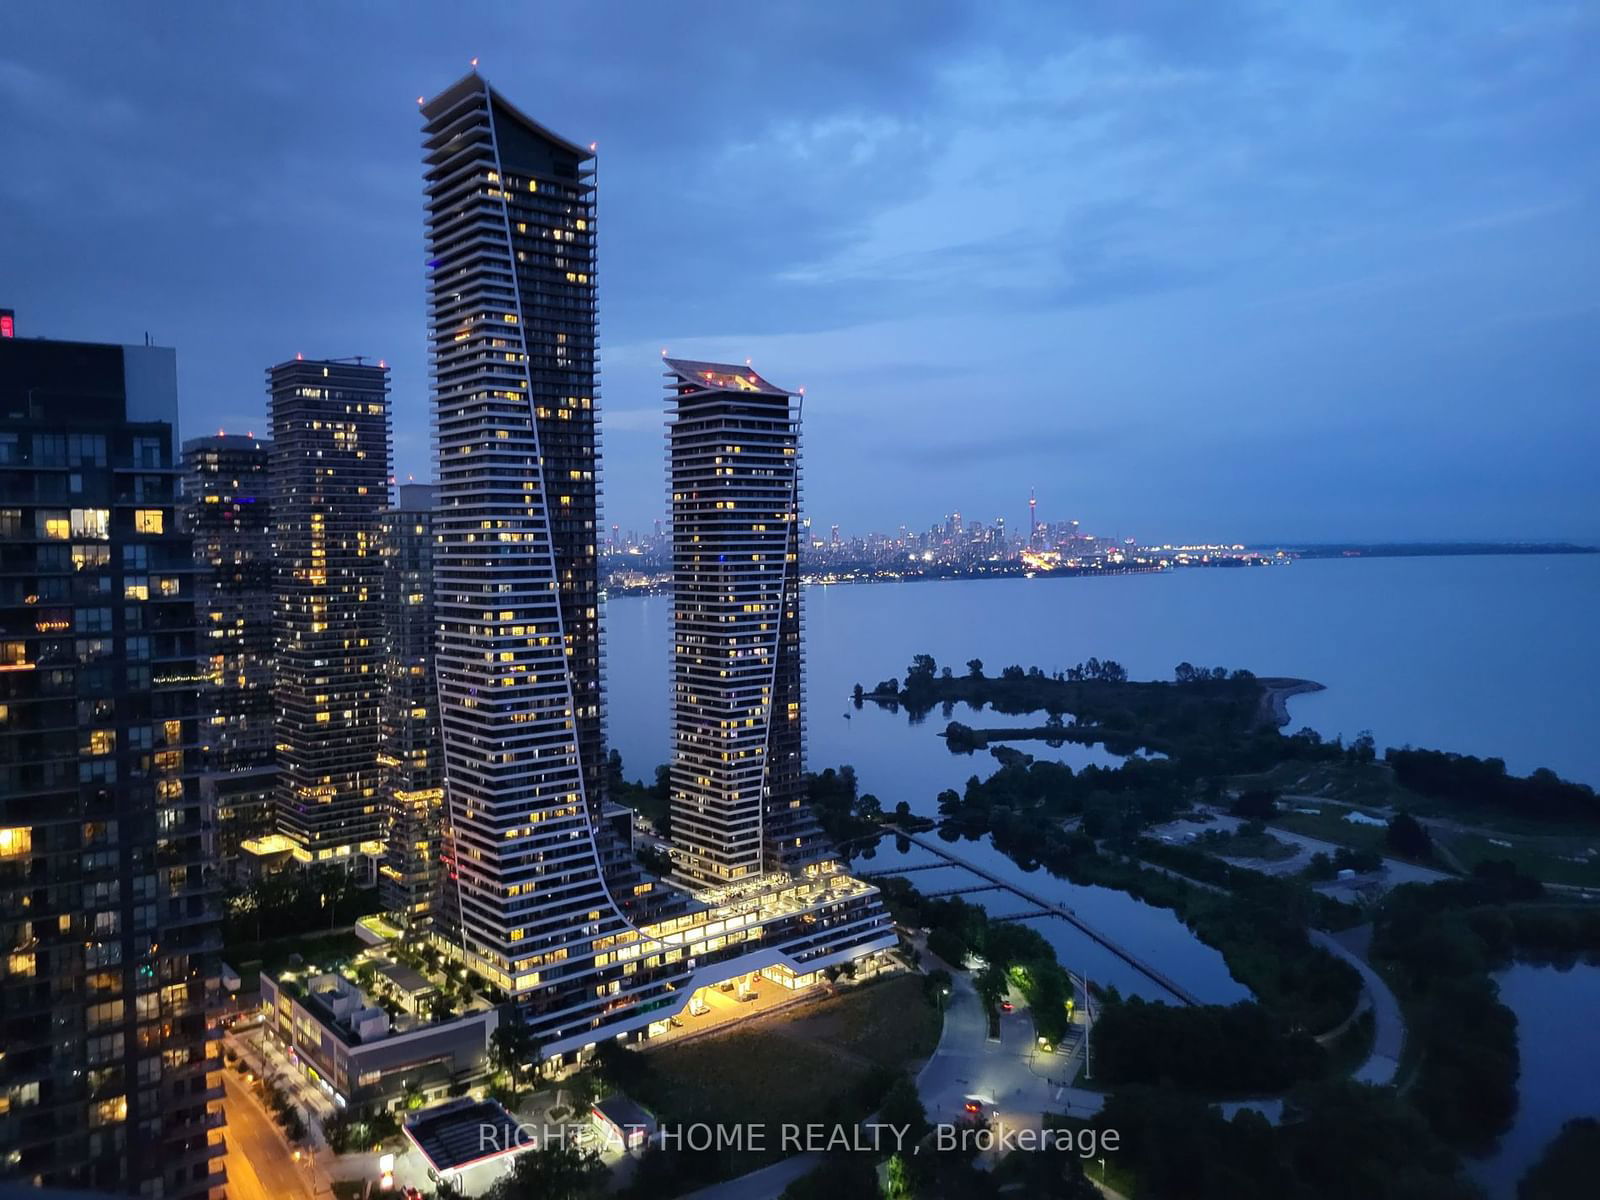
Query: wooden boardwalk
point(1046, 906)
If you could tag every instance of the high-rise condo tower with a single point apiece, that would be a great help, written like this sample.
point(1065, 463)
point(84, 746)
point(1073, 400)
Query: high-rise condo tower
point(738, 791)
point(227, 509)
point(413, 786)
point(110, 1079)
point(330, 475)
point(511, 290)
point(512, 329)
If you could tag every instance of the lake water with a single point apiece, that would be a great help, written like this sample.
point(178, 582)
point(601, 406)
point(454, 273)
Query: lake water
point(1154, 934)
point(1494, 656)
point(1560, 1046)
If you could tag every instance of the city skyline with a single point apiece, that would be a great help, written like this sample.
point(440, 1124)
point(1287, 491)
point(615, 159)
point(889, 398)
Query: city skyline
point(1340, 358)
point(372, 794)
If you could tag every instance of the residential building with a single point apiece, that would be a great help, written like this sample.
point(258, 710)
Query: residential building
point(512, 306)
point(344, 1033)
point(738, 725)
point(511, 249)
point(109, 905)
point(330, 484)
point(413, 766)
point(227, 510)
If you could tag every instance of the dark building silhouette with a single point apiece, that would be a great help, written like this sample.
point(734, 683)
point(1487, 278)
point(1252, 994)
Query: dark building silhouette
point(227, 510)
point(413, 765)
point(109, 906)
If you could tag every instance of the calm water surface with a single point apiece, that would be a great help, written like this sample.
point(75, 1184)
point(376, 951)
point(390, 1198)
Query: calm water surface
point(1560, 1045)
point(1487, 655)
point(1493, 656)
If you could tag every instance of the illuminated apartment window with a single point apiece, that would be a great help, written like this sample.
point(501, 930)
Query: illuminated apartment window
point(148, 520)
point(16, 842)
point(91, 523)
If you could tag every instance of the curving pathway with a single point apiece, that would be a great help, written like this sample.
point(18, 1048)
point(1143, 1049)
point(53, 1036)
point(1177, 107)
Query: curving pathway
point(1389, 1027)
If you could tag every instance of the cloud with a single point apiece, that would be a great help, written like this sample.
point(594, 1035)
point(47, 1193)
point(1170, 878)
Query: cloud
point(1145, 243)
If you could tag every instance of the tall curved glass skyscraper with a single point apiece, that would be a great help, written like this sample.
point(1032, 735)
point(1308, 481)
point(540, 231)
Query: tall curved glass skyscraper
point(511, 291)
point(511, 261)
point(738, 732)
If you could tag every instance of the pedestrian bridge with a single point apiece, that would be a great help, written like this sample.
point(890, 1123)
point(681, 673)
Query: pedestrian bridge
point(1044, 907)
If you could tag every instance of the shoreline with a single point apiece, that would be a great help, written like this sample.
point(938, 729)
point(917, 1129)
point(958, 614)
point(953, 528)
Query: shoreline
point(1275, 695)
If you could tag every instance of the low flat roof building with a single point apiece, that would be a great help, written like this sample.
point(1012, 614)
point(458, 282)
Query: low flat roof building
point(366, 1055)
point(466, 1133)
point(625, 1123)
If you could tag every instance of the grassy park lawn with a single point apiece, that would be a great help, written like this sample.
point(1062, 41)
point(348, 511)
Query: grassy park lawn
point(1354, 783)
point(823, 1063)
point(1330, 826)
point(1546, 859)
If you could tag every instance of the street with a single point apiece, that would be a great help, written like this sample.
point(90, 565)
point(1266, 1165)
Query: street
point(258, 1161)
point(1011, 1076)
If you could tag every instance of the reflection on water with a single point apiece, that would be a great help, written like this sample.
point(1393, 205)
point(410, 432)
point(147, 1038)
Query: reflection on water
point(1559, 1044)
point(1154, 934)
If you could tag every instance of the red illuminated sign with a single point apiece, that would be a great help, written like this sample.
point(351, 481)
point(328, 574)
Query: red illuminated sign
point(8, 324)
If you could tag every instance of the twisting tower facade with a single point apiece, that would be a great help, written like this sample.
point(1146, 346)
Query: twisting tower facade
point(738, 734)
point(512, 330)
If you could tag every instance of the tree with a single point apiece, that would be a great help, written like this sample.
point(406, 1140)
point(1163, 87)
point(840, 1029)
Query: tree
point(1407, 837)
point(840, 1177)
point(1569, 1166)
point(559, 1171)
point(1320, 867)
point(948, 945)
point(902, 1110)
point(583, 1089)
point(1257, 804)
point(898, 1186)
point(974, 668)
point(618, 1068)
point(992, 984)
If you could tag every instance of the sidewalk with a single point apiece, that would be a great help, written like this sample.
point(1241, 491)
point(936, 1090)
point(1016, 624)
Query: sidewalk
point(1389, 1027)
point(267, 1059)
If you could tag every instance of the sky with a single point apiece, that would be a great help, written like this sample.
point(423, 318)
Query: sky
point(1219, 271)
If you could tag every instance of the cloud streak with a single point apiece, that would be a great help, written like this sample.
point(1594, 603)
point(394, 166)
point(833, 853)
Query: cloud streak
point(1159, 255)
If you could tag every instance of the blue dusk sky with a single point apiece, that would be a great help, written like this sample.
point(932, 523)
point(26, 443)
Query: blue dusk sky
point(1192, 270)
